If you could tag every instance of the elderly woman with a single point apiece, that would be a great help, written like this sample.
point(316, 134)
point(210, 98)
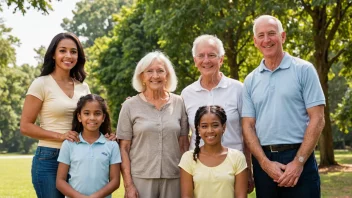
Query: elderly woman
point(152, 129)
point(214, 88)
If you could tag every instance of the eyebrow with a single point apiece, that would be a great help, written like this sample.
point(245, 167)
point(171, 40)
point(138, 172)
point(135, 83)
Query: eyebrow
point(66, 47)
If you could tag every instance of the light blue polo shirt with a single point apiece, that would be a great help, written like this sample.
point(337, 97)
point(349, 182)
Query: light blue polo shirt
point(89, 163)
point(279, 100)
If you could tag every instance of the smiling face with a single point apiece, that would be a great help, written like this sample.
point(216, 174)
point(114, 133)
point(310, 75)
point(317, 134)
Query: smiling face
point(268, 39)
point(155, 76)
point(91, 116)
point(210, 129)
point(66, 55)
point(207, 58)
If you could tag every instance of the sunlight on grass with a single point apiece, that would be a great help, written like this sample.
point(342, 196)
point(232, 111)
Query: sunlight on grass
point(336, 184)
point(341, 156)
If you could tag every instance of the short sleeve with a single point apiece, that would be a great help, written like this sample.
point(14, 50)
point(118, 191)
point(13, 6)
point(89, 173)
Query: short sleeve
point(86, 87)
point(115, 153)
point(184, 120)
point(312, 92)
point(239, 161)
point(36, 89)
point(187, 163)
point(64, 155)
point(248, 109)
point(124, 124)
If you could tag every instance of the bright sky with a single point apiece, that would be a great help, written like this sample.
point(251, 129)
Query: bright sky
point(35, 29)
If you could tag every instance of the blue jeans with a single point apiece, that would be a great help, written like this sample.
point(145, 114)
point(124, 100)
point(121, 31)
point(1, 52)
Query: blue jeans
point(308, 185)
point(44, 169)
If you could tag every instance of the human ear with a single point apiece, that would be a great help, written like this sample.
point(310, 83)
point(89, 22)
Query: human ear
point(79, 117)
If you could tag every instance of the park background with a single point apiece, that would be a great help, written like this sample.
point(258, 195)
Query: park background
point(117, 33)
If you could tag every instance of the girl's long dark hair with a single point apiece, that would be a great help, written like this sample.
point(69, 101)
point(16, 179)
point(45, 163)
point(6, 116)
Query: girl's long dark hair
point(77, 72)
point(105, 127)
point(214, 109)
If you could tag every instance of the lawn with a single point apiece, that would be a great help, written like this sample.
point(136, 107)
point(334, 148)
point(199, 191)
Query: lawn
point(15, 180)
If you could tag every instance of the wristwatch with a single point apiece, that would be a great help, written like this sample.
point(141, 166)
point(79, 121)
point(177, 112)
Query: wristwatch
point(300, 158)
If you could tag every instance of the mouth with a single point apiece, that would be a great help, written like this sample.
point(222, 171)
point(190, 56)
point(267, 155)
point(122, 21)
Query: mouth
point(207, 67)
point(210, 137)
point(268, 46)
point(68, 63)
point(155, 82)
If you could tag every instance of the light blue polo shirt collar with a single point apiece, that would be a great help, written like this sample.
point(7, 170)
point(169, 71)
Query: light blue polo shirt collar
point(100, 140)
point(222, 84)
point(285, 63)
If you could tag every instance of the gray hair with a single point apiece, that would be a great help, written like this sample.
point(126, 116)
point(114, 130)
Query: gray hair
point(207, 37)
point(145, 62)
point(279, 24)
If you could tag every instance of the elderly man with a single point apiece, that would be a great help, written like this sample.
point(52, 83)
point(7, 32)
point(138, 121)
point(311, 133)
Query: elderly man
point(282, 117)
point(214, 88)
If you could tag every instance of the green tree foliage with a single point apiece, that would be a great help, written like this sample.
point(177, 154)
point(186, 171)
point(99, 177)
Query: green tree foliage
point(15, 87)
point(24, 5)
point(178, 23)
point(114, 59)
point(7, 41)
point(329, 24)
point(93, 18)
point(14, 82)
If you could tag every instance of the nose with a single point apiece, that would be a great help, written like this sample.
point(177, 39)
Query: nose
point(68, 54)
point(206, 58)
point(266, 38)
point(209, 129)
point(91, 117)
point(155, 74)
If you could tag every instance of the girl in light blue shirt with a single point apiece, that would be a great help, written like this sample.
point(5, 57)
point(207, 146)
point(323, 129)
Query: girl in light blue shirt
point(93, 164)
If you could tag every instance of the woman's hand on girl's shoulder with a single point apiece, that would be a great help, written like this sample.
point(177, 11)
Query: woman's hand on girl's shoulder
point(71, 136)
point(111, 137)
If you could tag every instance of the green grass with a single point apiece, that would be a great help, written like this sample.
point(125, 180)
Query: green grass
point(15, 179)
point(336, 184)
point(341, 156)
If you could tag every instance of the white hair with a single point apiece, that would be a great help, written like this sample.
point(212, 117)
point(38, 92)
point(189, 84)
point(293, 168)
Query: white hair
point(145, 62)
point(207, 37)
point(279, 24)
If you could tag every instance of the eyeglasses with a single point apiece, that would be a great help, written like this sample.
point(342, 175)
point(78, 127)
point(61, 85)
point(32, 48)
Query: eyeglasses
point(159, 72)
point(210, 56)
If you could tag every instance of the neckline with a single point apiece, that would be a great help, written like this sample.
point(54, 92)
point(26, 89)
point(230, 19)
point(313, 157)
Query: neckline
point(143, 99)
point(62, 91)
point(227, 155)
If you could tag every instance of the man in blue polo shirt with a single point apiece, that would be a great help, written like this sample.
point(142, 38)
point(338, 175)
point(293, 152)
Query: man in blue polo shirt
point(283, 116)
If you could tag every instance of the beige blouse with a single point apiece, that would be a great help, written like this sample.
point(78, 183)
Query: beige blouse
point(155, 151)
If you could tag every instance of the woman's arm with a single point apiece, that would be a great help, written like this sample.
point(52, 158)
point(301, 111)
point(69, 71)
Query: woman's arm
point(130, 189)
point(113, 184)
point(31, 109)
point(183, 141)
point(241, 184)
point(186, 184)
point(62, 185)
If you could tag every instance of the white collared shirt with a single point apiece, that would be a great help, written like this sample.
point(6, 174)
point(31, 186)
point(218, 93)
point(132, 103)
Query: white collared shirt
point(227, 94)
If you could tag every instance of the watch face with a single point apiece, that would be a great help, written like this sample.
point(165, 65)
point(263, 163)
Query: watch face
point(301, 159)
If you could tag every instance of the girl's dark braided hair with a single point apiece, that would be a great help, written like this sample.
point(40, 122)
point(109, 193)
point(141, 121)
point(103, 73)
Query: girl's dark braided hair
point(214, 109)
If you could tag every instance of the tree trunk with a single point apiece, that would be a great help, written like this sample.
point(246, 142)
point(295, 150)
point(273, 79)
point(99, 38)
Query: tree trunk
point(233, 66)
point(326, 142)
